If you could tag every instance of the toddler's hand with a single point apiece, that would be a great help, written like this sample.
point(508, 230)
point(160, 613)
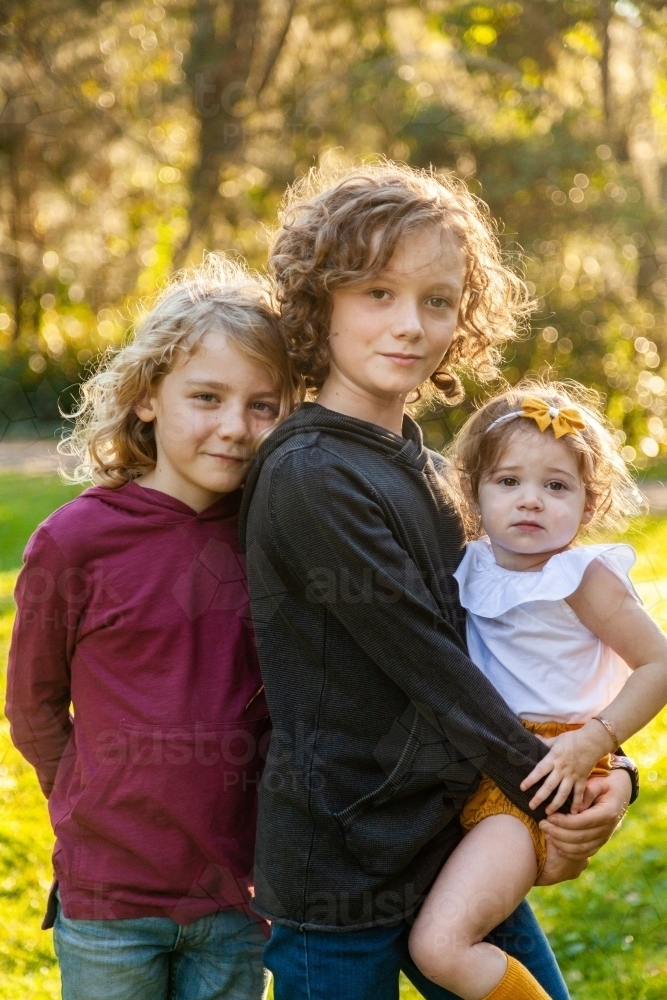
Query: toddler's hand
point(567, 766)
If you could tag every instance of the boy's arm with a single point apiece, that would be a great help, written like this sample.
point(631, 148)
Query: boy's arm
point(327, 525)
point(38, 677)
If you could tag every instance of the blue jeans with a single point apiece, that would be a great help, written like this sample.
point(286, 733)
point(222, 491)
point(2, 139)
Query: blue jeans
point(365, 965)
point(218, 957)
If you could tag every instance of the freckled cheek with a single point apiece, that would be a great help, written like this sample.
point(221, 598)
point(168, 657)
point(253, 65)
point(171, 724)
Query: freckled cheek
point(256, 426)
point(181, 423)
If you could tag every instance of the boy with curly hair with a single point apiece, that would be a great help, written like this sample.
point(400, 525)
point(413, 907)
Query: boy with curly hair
point(389, 278)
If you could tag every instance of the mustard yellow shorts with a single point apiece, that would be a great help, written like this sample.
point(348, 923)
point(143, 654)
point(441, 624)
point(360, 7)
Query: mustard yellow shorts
point(488, 800)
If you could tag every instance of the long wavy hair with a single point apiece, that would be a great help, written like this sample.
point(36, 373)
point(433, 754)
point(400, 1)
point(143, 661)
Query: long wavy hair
point(336, 230)
point(111, 444)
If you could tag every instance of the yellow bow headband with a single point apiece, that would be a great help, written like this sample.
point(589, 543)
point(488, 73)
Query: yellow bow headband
point(563, 420)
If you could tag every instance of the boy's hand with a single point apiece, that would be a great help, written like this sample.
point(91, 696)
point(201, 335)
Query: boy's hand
point(567, 766)
point(579, 837)
point(558, 868)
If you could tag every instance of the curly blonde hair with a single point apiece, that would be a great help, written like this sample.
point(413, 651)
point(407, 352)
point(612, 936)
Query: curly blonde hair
point(339, 230)
point(611, 493)
point(111, 443)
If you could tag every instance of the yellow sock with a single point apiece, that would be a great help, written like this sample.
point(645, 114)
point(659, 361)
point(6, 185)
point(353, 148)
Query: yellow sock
point(517, 984)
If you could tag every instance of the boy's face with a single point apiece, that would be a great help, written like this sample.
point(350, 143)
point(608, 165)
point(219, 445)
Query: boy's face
point(389, 334)
point(208, 412)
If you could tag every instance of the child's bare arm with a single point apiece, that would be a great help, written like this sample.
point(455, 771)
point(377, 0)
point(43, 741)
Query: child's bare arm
point(604, 605)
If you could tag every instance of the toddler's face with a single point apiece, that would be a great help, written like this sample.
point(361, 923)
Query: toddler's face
point(389, 334)
point(533, 503)
point(208, 412)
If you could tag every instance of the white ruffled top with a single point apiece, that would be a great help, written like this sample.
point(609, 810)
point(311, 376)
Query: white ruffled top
point(528, 641)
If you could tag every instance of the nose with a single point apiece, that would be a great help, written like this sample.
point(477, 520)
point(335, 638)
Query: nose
point(529, 498)
point(233, 424)
point(407, 321)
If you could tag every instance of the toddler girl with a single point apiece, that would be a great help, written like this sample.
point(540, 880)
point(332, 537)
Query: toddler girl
point(132, 607)
point(559, 631)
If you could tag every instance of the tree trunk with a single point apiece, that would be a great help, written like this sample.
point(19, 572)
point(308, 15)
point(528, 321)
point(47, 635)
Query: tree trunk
point(18, 278)
point(605, 18)
point(217, 68)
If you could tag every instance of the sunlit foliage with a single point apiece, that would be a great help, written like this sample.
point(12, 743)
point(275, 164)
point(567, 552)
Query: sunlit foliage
point(135, 135)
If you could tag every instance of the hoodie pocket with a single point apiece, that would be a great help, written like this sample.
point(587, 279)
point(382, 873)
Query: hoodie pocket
point(387, 827)
point(165, 805)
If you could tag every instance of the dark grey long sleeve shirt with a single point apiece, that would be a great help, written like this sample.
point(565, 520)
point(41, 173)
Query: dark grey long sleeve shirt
point(381, 722)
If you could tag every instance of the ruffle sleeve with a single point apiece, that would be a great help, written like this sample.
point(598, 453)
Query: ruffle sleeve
point(488, 590)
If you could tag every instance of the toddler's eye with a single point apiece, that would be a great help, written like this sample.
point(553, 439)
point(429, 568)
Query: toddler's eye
point(509, 481)
point(556, 487)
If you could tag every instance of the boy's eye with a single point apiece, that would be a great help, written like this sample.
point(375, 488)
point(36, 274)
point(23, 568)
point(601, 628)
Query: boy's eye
point(509, 481)
point(206, 397)
point(556, 487)
point(379, 293)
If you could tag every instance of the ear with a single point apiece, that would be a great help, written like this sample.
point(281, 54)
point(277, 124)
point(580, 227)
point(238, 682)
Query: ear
point(145, 410)
point(589, 512)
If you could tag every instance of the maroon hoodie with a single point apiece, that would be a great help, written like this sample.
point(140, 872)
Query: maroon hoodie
point(133, 609)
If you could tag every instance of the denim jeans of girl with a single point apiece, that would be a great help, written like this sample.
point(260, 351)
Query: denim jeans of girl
point(218, 957)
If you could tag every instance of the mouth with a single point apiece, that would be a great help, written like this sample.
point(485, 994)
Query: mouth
point(227, 459)
point(403, 359)
point(529, 526)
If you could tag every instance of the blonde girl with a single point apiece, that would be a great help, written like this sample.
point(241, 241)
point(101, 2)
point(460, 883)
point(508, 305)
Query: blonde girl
point(556, 626)
point(133, 610)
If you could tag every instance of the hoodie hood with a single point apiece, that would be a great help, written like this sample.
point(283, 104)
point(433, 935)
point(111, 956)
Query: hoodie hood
point(311, 418)
point(156, 507)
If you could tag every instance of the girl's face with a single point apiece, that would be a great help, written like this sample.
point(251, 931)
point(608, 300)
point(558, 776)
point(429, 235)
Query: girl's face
point(389, 334)
point(208, 412)
point(534, 502)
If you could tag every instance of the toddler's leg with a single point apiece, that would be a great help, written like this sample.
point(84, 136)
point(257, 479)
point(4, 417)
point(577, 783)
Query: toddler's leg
point(114, 959)
point(218, 957)
point(481, 884)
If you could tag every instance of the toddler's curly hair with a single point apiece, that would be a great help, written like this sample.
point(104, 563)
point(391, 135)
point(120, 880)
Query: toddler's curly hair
point(340, 229)
point(611, 493)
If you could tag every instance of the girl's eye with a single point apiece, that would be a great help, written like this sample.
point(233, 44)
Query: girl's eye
point(266, 409)
point(438, 302)
point(509, 481)
point(556, 487)
point(379, 294)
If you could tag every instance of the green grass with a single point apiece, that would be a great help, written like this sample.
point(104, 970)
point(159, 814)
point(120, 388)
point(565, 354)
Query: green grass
point(606, 928)
point(24, 502)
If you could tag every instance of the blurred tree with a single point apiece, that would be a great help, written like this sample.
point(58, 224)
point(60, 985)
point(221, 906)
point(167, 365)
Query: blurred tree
point(34, 117)
point(86, 203)
point(564, 138)
point(228, 68)
point(136, 134)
